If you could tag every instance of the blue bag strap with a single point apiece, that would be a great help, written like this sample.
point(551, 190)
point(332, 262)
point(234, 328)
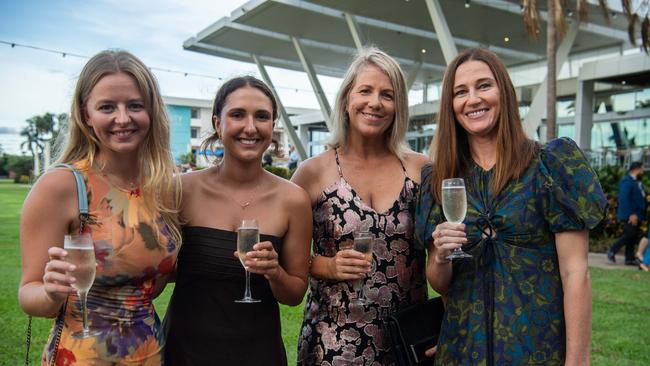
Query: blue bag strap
point(82, 197)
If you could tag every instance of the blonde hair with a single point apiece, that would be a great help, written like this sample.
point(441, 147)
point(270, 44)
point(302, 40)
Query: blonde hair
point(450, 150)
point(396, 134)
point(160, 183)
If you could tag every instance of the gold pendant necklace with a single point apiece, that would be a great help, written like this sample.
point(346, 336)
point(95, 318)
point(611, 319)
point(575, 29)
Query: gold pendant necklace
point(133, 187)
point(251, 197)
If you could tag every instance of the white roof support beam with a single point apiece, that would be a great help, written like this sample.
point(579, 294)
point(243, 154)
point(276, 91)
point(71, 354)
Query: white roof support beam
point(283, 113)
point(315, 84)
point(413, 75)
point(447, 44)
point(588, 27)
point(336, 13)
point(221, 51)
point(584, 119)
point(537, 109)
point(354, 30)
point(320, 45)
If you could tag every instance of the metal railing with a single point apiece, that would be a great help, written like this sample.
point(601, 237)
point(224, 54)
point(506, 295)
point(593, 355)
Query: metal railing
point(623, 158)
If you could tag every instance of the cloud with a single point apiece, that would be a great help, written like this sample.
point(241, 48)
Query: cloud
point(34, 82)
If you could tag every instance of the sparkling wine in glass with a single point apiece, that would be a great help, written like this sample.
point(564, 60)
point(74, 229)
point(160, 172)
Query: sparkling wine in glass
point(81, 253)
point(248, 235)
point(363, 242)
point(454, 206)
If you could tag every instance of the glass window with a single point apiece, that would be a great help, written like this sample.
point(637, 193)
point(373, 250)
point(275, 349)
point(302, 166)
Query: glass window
point(196, 113)
point(317, 141)
point(194, 132)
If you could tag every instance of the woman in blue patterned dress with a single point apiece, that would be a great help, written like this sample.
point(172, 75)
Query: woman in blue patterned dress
point(367, 181)
point(525, 295)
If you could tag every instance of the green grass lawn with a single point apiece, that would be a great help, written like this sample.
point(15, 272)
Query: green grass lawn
point(621, 304)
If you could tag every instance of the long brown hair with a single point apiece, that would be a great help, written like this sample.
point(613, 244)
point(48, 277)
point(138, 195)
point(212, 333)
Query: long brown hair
point(159, 179)
point(450, 150)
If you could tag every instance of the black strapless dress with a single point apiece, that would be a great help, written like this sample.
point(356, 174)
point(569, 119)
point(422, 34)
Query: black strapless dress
point(203, 324)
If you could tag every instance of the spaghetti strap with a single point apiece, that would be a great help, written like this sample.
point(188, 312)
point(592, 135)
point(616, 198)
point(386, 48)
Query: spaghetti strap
point(338, 164)
point(403, 167)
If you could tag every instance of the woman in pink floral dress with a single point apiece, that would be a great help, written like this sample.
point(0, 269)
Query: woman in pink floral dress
point(367, 181)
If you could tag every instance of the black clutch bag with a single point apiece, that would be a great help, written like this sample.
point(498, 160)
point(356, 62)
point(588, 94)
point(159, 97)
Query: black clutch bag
point(413, 330)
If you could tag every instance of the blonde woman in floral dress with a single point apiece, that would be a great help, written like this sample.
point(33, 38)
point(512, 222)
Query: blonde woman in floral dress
point(367, 181)
point(119, 140)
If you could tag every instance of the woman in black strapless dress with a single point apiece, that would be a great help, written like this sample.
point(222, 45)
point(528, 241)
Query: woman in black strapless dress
point(204, 325)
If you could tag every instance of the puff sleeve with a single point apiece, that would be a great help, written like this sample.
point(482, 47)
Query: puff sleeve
point(575, 197)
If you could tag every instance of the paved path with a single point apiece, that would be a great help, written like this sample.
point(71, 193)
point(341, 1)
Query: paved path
point(600, 260)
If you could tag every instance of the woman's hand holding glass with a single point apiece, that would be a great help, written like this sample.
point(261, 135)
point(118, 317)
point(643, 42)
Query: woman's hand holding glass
point(446, 238)
point(57, 282)
point(348, 264)
point(263, 260)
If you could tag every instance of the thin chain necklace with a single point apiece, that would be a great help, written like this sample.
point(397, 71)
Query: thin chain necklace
point(251, 197)
point(133, 187)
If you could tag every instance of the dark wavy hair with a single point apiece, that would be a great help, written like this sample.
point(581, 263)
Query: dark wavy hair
point(220, 100)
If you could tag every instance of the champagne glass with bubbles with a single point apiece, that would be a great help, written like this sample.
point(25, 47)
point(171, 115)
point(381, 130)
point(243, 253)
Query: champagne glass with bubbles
point(454, 206)
point(81, 253)
point(363, 242)
point(248, 235)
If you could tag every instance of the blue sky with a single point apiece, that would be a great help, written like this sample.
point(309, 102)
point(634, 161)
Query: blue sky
point(34, 82)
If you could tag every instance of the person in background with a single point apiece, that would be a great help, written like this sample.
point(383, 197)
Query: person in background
point(118, 139)
point(204, 325)
point(631, 211)
point(367, 181)
point(524, 296)
point(643, 254)
point(267, 158)
point(294, 158)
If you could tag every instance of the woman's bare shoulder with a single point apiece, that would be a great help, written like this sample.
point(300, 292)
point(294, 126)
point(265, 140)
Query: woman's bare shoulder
point(315, 165)
point(58, 183)
point(414, 162)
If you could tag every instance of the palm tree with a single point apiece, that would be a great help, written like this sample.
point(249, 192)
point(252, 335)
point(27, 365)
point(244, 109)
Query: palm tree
point(634, 14)
point(32, 140)
point(40, 130)
point(556, 28)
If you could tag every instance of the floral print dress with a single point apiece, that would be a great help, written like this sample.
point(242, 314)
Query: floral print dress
point(335, 331)
point(505, 304)
point(133, 249)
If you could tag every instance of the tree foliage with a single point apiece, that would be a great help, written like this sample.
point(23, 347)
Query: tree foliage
point(40, 129)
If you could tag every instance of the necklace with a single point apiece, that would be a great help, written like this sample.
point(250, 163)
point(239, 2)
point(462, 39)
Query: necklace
point(133, 187)
point(251, 197)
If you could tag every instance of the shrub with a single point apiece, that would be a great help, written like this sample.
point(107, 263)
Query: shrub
point(610, 228)
point(23, 179)
point(19, 165)
point(280, 171)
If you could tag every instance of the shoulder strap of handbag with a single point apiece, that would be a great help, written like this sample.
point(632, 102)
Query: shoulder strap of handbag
point(82, 199)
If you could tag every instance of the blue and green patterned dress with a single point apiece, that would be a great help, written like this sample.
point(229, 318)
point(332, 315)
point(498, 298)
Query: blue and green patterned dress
point(505, 304)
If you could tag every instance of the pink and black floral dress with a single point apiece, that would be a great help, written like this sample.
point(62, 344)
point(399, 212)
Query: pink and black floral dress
point(336, 331)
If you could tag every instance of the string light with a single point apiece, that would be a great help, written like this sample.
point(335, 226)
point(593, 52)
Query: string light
point(65, 54)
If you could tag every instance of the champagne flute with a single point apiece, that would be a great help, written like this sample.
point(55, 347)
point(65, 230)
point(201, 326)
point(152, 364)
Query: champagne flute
point(248, 235)
point(454, 206)
point(81, 253)
point(363, 242)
